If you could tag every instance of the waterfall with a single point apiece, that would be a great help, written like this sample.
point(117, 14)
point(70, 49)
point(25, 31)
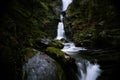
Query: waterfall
point(65, 4)
point(86, 70)
point(60, 30)
point(91, 71)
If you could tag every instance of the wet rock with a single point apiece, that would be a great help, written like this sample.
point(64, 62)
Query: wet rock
point(56, 43)
point(45, 41)
point(94, 23)
point(42, 67)
point(67, 63)
point(41, 44)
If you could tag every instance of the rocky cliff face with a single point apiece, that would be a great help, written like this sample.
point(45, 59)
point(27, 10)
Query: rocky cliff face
point(93, 23)
point(22, 23)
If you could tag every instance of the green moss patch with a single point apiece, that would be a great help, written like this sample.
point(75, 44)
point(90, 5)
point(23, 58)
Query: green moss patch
point(28, 53)
point(55, 51)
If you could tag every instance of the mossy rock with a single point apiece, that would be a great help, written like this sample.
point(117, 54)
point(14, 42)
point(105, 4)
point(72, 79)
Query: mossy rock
point(55, 51)
point(22, 24)
point(60, 72)
point(56, 54)
point(93, 22)
point(56, 43)
point(28, 53)
point(68, 66)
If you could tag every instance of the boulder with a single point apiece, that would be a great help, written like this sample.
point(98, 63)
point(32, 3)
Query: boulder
point(42, 67)
point(67, 63)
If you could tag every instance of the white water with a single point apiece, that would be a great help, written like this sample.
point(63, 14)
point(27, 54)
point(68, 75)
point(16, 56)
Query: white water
point(87, 71)
point(91, 71)
point(70, 48)
point(66, 4)
point(60, 31)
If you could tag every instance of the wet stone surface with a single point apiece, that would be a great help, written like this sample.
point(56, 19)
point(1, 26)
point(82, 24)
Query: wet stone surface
point(40, 67)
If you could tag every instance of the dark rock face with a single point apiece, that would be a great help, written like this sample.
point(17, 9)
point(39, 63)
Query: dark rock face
point(42, 67)
point(22, 23)
point(93, 23)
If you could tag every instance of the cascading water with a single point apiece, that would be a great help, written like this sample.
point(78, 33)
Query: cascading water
point(65, 4)
point(60, 30)
point(70, 48)
point(86, 70)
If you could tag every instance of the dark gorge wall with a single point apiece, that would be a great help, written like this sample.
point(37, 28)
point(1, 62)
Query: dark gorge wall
point(22, 23)
point(94, 23)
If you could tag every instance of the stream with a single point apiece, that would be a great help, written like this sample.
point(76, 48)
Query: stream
point(42, 67)
point(86, 70)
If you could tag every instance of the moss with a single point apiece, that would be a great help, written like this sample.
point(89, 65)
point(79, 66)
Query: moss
point(59, 73)
point(68, 66)
point(28, 53)
point(55, 43)
point(56, 54)
point(55, 51)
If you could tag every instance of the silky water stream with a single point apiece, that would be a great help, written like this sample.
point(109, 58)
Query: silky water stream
point(86, 70)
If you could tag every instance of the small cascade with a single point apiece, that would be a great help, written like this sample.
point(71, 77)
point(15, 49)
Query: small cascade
point(65, 4)
point(70, 48)
point(60, 30)
point(86, 70)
